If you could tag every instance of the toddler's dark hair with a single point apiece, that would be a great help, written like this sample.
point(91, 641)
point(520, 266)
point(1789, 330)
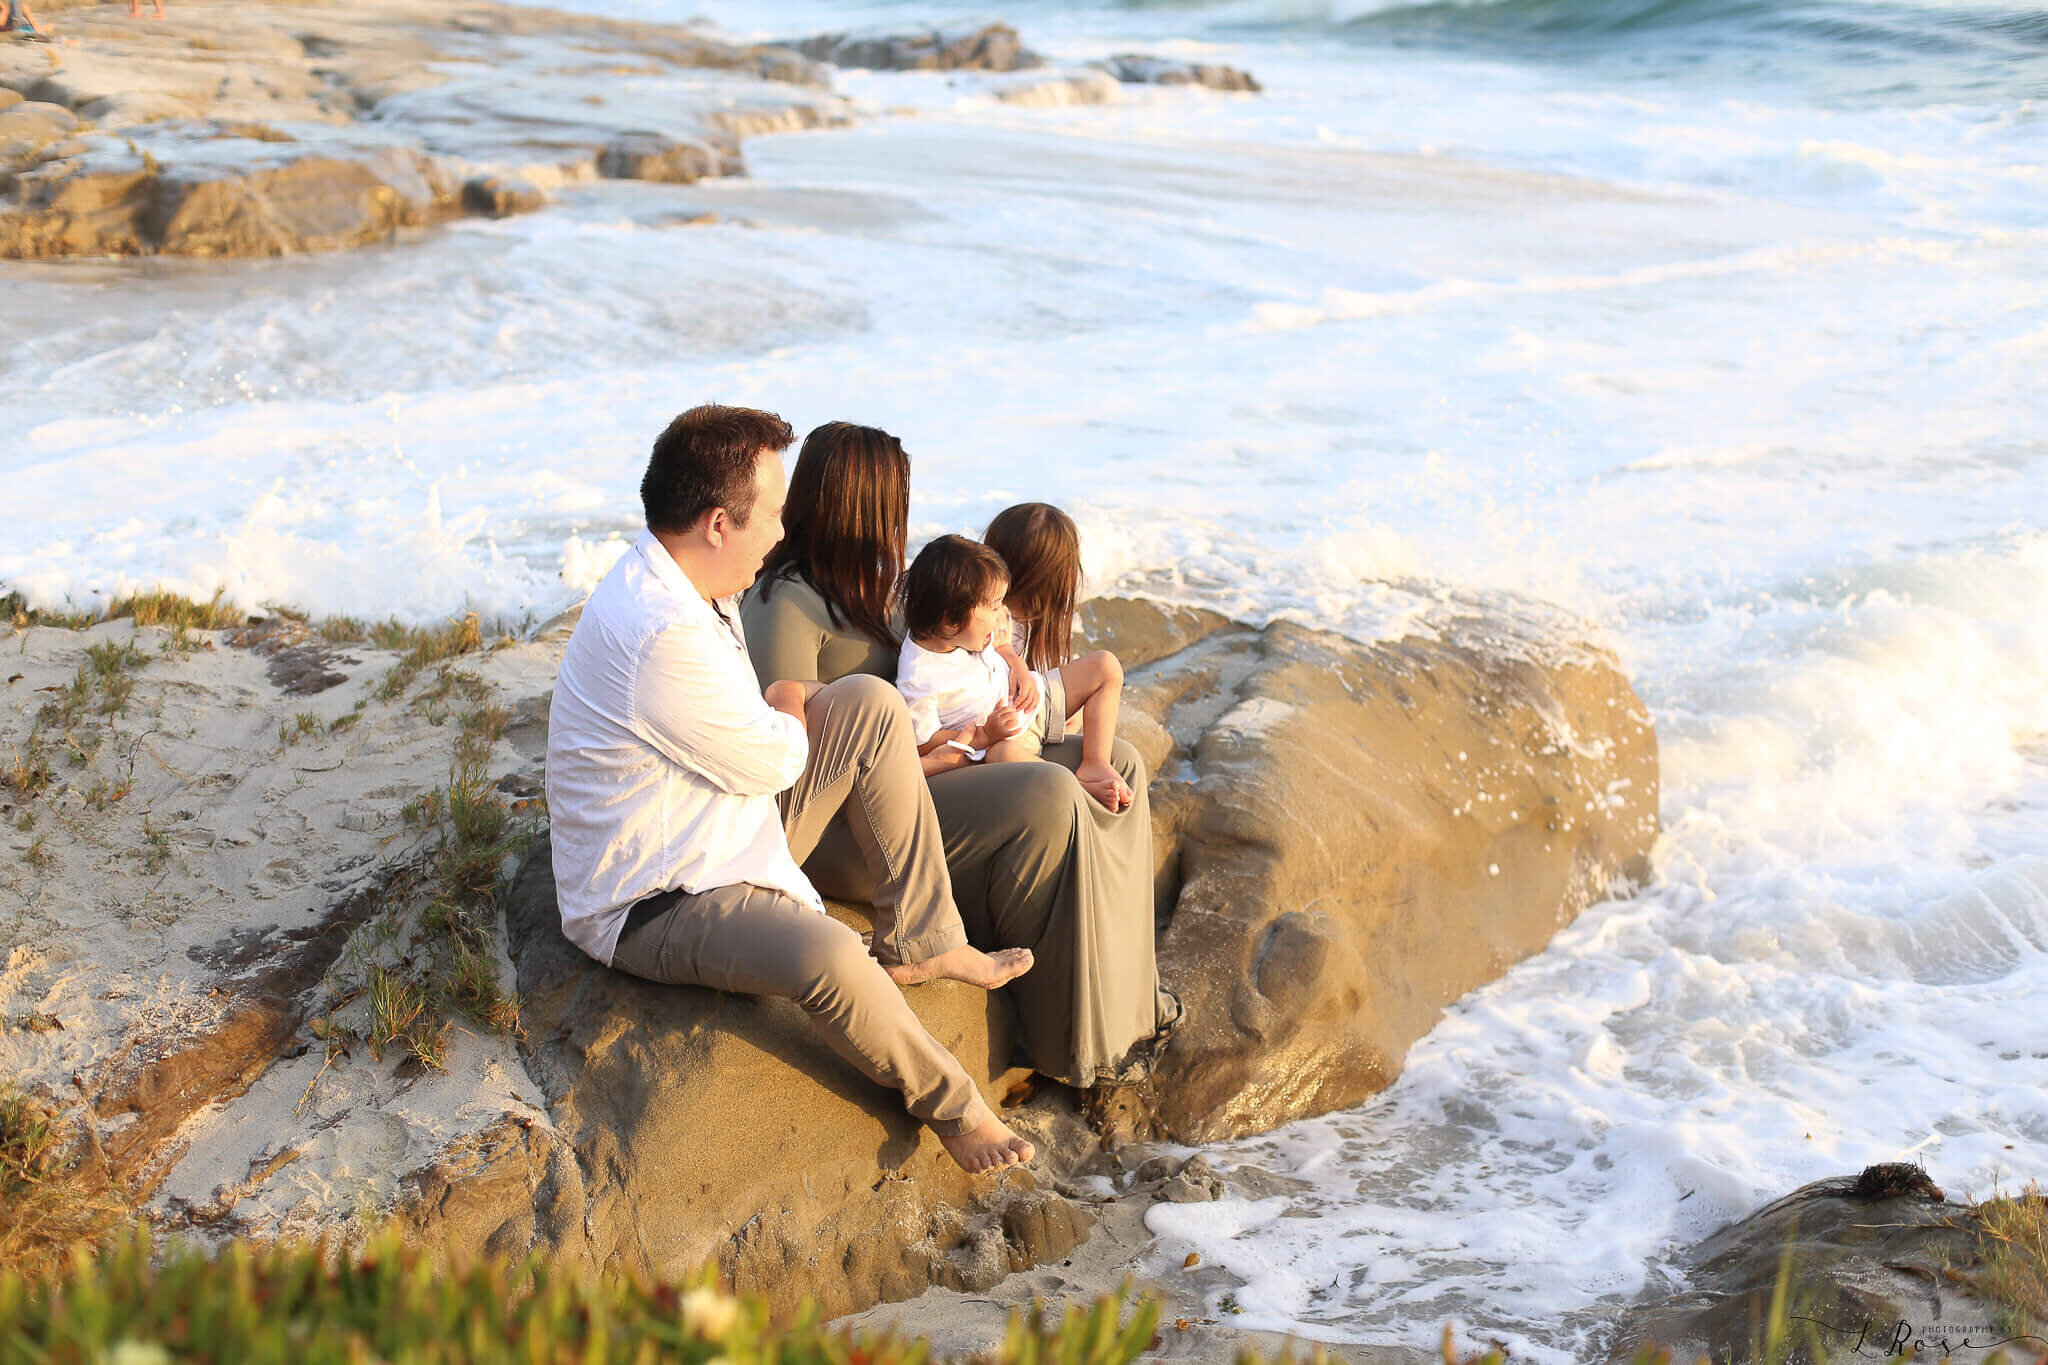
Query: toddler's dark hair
point(945, 583)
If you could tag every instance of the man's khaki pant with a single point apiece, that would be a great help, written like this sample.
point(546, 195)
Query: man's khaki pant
point(761, 942)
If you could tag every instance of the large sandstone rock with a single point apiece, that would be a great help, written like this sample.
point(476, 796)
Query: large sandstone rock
point(28, 126)
point(993, 47)
point(133, 108)
point(1352, 836)
point(720, 1128)
point(469, 100)
point(106, 203)
point(1349, 837)
point(1875, 1265)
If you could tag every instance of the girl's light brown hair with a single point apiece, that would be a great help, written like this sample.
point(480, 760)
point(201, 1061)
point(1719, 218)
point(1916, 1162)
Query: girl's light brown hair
point(1042, 548)
point(844, 523)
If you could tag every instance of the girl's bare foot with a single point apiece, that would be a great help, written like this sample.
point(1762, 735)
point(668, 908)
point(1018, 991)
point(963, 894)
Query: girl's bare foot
point(988, 1148)
point(1105, 784)
point(966, 963)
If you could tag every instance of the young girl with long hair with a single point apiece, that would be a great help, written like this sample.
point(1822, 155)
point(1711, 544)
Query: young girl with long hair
point(987, 658)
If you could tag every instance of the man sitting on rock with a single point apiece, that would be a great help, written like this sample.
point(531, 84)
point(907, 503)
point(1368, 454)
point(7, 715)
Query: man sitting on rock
point(676, 860)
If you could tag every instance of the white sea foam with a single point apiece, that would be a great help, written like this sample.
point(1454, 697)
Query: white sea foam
point(1749, 380)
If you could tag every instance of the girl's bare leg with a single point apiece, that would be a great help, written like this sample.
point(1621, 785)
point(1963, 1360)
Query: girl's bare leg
point(1095, 685)
point(1008, 751)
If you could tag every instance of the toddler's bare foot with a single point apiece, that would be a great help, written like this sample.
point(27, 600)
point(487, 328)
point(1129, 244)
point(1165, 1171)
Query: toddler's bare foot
point(1105, 784)
point(988, 1148)
point(966, 963)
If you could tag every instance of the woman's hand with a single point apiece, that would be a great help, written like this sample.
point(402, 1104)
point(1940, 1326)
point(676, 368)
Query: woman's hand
point(944, 759)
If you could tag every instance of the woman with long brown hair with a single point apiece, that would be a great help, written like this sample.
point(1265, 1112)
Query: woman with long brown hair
point(827, 586)
point(1035, 861)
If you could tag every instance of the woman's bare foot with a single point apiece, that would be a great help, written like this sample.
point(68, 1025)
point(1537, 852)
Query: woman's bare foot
point(966, 963)
point(988, 1148)
point(1105, 784)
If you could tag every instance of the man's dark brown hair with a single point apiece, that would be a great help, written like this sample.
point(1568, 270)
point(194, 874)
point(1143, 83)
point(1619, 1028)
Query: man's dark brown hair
point(706, 459)
point(945, 583)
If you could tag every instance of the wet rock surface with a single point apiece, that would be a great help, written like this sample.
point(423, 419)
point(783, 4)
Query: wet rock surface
point(650, 156)
point(992, 47)
point(1875, 1266)
point(1136, 68)
point(1351, 836)
point(264, 131)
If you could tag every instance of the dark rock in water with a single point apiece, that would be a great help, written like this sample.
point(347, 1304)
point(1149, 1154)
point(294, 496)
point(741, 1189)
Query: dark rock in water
point(995, 47)
point(1160, 1168)
point(650, 156)
point(499, 196)
point(1195, 1183)
point(1255, 1182)
point(1874, 1265)
point(791, 67)
point(1133, 68)
point(1352, 836)
point(716, 1127)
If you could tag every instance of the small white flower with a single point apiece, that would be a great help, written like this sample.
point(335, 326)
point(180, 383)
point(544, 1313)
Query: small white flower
point(138, 1353)
point(709, 1313)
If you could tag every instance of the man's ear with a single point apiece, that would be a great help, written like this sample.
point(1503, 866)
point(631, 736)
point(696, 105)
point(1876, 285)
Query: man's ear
point(715, 525)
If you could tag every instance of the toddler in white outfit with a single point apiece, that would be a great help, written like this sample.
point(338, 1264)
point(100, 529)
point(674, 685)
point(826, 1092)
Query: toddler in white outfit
point(966, 685)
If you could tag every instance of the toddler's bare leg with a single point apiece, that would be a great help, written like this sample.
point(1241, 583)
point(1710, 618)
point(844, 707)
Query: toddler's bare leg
point(1095, 684)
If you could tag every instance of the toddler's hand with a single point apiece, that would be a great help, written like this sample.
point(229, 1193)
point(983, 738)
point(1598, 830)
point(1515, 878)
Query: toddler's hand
point(1003, 722)
point(1023, 690)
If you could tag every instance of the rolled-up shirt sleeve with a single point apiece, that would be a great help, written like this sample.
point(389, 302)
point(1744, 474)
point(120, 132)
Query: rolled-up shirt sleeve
point(686, 706)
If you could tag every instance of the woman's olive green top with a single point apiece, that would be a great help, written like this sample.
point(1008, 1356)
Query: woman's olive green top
point(792, 633)
point(1035, 862)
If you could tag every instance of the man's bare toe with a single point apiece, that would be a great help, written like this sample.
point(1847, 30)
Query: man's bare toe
point(1004, 965)
point(990, 1147)
point(968, 964)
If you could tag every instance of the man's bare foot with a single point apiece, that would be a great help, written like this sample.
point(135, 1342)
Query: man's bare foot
point(1105, 784)
point(966, 963)
point(988, 1148)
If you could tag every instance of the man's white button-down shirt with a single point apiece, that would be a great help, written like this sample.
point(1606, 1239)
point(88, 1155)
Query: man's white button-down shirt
point(663, 761)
